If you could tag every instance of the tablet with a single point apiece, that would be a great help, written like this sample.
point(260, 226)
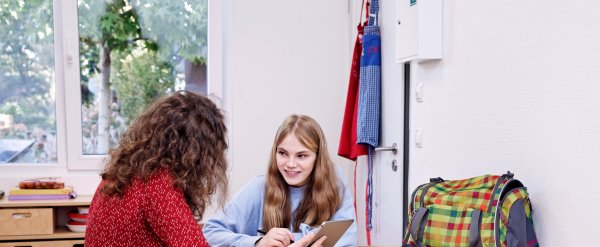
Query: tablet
point(333, 230)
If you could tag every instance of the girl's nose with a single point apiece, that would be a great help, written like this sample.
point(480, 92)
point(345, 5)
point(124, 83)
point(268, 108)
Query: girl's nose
point(291, 162)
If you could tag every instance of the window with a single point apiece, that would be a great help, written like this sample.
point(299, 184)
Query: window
point(27, 86)
point(112, 58)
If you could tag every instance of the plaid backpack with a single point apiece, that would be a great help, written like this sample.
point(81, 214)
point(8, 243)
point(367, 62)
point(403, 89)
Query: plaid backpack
point(482, 211)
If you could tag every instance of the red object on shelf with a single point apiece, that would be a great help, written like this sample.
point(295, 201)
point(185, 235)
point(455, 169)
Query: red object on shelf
point(76, 223)
point(74, 216)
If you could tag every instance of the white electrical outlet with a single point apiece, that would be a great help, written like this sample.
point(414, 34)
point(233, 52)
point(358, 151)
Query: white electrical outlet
point(419, 137)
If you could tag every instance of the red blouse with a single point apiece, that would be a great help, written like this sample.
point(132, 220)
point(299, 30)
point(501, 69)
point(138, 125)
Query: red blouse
point(151, 213)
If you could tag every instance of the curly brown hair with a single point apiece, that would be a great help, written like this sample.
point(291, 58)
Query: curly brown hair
point(183, 133)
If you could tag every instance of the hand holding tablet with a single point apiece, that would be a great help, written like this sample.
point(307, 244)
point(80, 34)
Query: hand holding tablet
point(333, 230)
point(326, 235)
point(309, 238)
point(275, 237)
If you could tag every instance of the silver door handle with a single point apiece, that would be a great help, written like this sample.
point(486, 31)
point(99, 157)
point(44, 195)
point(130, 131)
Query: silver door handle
point(393, 148)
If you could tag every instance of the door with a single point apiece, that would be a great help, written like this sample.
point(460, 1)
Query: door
point(387, 192)
point(387, 169)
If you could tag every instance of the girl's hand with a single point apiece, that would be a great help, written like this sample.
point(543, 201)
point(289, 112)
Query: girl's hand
point(307, 239)
point(279, 237)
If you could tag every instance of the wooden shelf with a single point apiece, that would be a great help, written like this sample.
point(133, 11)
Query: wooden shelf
point(60, 232)
point(82, 200)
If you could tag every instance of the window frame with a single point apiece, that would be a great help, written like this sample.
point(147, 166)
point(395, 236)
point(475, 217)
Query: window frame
point(68, 93)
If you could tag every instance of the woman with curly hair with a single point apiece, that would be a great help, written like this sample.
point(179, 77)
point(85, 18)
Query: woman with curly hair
point(160, 178)
point(301, 190)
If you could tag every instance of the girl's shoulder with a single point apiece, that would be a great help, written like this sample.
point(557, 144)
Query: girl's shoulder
point(258, 180)
point(255, 187)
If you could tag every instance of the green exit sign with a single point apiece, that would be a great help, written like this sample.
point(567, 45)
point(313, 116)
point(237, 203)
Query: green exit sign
point(413, 2)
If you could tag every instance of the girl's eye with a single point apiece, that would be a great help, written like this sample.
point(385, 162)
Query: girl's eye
point(281, 153)
point(302, 156)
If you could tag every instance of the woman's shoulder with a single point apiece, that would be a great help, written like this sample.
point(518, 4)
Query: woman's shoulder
point(161, 181)
point(161, 177)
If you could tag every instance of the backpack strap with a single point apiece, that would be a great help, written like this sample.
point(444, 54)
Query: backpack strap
point(415, 226)
point(432, 182)
point(417, 219)
point(474, 235)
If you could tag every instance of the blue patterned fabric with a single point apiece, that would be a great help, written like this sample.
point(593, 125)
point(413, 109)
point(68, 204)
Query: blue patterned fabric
point(369, 99)
point(373, 13)
point(370, 187)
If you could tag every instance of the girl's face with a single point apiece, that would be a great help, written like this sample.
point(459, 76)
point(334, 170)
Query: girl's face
point(295, 162)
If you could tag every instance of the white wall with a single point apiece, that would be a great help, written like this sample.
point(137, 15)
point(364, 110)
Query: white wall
point(282, 58)
point(518, 89)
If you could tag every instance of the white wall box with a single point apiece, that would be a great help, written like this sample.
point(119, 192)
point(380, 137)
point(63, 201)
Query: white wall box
point(419, 30)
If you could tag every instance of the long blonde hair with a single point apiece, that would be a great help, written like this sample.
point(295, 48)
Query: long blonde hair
point(321, 194)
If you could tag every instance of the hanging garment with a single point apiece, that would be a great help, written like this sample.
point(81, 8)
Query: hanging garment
point(369, 102)
point(369, 106)
point(349, 147)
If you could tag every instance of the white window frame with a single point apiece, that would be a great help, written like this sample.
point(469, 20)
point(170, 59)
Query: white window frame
point(68, 92)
